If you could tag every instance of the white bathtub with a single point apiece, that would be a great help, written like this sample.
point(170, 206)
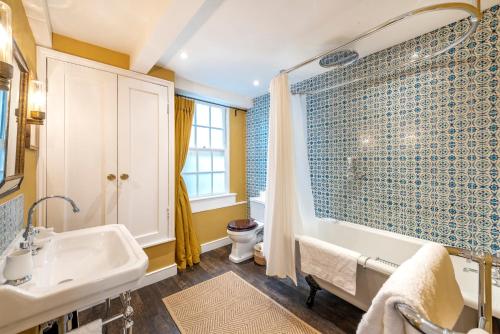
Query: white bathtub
point(393, 248)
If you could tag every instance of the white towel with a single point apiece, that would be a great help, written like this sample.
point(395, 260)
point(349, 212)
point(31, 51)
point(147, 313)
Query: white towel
point(427, 283)
point(331, 263)
point(94, 327)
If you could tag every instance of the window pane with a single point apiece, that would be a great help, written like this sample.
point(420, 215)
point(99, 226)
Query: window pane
point(190, 180)
point(192, 137)
point(219, 161)
point(217, 117)
point(217, 138)
point(202, 114)
point(190, 165)
point(202, 137)
point(204, 184)
point(204, 161)
point(219, 183)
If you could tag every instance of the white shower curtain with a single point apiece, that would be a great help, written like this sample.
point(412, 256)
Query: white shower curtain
point(289, 204)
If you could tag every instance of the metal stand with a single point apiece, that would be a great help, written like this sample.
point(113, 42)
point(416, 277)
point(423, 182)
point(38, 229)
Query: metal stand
point(314, 287)
point(126, 315)
point(128, 312)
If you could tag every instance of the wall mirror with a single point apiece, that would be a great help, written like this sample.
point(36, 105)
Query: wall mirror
point(13, 108)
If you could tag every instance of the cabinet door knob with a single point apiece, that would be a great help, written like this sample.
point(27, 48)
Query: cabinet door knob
point(111, 177)
point(124, 177)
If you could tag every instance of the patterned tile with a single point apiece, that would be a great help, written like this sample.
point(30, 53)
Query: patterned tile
point(422, 140)
point(11, 220)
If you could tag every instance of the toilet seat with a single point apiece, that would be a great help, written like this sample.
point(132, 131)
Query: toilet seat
point(242, 225)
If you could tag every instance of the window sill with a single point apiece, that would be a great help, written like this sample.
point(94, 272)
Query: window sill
point(201, 204)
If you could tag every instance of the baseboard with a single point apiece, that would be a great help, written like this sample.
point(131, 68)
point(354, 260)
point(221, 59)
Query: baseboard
point(157, 275)
point(211, 245)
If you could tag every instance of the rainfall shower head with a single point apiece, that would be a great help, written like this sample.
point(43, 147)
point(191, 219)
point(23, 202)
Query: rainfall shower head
point(339, 58)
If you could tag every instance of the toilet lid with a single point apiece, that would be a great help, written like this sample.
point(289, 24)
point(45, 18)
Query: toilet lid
point(242, 225)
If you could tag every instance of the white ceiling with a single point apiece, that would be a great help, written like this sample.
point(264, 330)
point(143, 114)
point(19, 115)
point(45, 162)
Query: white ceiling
point(248, 40)
point(231, 43)
point(119, 25)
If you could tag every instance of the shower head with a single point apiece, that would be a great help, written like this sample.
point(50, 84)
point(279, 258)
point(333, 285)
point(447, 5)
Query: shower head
point(339, 58)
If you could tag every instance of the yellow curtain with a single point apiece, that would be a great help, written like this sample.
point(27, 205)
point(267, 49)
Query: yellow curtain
point(187, 249)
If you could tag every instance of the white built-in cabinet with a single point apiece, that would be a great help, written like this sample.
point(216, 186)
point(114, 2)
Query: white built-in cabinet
point(108, 144)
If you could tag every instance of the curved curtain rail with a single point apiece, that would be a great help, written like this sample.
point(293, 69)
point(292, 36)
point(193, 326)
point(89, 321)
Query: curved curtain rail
point(475, 16)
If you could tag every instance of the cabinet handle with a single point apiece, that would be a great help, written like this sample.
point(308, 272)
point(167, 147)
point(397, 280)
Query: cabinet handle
point(111, 177)
point(124, 177)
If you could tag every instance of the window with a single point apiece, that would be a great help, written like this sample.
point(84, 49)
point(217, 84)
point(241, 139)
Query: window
point(205, 170)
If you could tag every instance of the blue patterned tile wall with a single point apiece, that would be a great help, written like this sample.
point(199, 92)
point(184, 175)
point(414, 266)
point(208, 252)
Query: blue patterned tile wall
point(11, 220)
point(414, 151)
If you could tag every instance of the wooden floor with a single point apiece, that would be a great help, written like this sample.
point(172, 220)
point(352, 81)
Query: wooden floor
point(329, 314)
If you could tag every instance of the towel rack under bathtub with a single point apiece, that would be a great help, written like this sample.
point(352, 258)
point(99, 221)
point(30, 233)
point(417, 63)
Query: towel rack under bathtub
point(486, 262)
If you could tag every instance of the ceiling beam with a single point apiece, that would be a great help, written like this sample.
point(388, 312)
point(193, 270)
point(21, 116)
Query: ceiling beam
point(179, 22)
point(39, 20)
point(199, 91)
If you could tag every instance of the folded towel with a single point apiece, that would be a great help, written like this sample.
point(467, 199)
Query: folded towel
point(425, 282)
point(331, 263)
point(94, 327)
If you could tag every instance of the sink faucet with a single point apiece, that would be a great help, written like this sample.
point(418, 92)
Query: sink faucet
point(29, 233)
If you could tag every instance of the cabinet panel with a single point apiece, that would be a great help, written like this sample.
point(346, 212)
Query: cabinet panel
point(143, 144)
point(81, 145)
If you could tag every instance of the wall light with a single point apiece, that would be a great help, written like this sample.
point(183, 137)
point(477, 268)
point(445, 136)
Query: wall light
point(5, 46)
point(36, 100)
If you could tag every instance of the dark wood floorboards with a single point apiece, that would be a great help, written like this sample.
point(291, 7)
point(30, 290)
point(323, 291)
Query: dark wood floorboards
point(329, 314)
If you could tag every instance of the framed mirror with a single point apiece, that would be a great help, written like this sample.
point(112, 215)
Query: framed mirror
point(13, 109)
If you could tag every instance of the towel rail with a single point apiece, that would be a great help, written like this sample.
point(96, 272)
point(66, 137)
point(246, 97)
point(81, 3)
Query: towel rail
point(485, 314)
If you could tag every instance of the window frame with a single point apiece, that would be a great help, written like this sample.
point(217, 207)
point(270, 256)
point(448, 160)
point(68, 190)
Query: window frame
point(196, 149)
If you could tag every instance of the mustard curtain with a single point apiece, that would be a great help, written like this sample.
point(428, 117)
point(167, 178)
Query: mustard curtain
point(187, 248)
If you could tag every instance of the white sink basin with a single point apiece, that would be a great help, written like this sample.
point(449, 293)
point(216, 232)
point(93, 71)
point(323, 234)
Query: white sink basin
point(73, 270)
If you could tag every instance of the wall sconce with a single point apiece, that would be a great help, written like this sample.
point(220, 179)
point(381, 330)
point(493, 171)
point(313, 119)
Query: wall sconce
point(36, 100)
point(6, 68)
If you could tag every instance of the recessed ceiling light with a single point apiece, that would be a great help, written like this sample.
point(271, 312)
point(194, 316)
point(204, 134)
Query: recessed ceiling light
point(184, 55)
point(256, 83)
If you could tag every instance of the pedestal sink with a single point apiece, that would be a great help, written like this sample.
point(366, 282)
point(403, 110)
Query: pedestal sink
point(73, 270)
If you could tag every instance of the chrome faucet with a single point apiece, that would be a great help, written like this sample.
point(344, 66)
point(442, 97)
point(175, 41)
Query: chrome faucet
point(30, 232)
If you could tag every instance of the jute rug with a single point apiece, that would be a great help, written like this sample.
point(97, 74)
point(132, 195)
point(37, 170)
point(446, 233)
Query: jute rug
point(228, 304)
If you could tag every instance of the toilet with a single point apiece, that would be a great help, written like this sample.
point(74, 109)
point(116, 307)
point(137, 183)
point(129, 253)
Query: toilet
point(245, 233)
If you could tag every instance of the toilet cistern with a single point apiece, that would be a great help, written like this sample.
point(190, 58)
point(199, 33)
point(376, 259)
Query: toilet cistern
point(29, 232)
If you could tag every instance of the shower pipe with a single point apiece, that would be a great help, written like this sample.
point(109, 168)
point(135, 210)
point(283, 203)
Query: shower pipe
point(484, 307)
point(475, 16)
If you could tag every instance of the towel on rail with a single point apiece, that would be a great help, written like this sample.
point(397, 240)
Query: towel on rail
point(95, 327)
point(333, 264)
point(426, 282)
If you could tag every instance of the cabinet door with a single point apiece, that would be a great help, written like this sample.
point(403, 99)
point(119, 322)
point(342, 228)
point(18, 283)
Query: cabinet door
point(81, 145)
point(143, 134)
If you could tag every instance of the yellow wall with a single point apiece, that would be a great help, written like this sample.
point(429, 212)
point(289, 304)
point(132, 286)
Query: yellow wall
point(93, 52)
point(24, 38)
point(211, 225)
point(162, 73)
point(90, 51)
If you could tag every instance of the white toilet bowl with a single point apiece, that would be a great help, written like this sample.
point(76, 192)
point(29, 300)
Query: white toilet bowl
point(243, 243)
point(245, 239)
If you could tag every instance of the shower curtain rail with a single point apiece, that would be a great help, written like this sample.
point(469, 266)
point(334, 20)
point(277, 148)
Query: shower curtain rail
point(475, 16)
point(484, 307)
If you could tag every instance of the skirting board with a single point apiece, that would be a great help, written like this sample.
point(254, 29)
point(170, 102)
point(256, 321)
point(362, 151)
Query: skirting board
point(157, 275)
point(211, 245)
